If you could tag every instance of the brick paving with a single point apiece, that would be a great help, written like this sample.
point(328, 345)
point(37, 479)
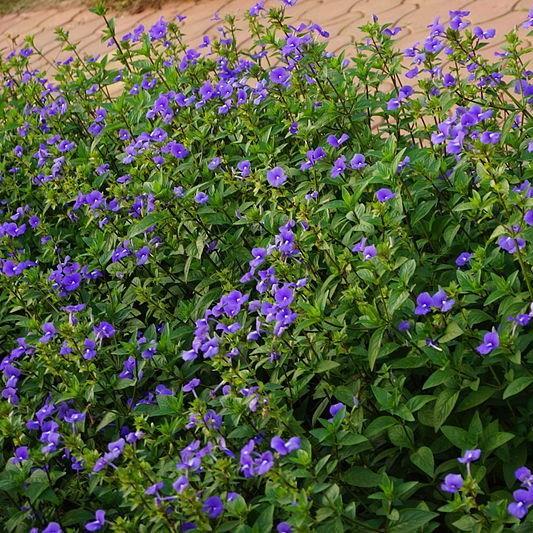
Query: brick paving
point(340, 17)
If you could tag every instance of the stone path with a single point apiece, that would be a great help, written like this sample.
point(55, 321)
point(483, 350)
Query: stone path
point(340, 17)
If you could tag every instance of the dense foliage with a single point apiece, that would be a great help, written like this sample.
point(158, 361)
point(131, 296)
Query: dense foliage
point(268, 288)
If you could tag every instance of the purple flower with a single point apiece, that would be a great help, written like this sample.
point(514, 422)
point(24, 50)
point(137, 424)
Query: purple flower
point(142, 255)
point(339, 166)
point(244, 167)
point(283, 527)
point(404, 325)
point(89, 351)
point(158, 30)
point(95, 128)
point(528, 218)
point(175, 149)
point(369, 252)
point(358, 162)
point(71, 282)
point(489, 137)
point(104, 330)
point(523, 500)
point(463, 258)
point(284, 448)
point(154, 489)
point(257, 8)
point(523, 474)
point(49, 331)
point(491, 341)
point(128, 368)
point(280, 76)
point(391, 32)
point(180, 484)
point(337, 142)
point(424, 303)
point(284, 296)
point(470, 456)
point(259, 255)
point(335, 408)
point(163, 390)
point(191, 385)
point(393, 104)
point(384, 194)
point(511, 244)
point(433, 344)
point(480, 34)
point(214, 163)
point(264, 463)
point(21, 454)
point(521, 319)
point(179, 191)
point(276, 177)
point(213, 507)
point(442, 302)
point(201, 198)
point(448, 80)
point(52, 527)
point(360, 246)
point(402, 164)
point(98, 523)
point(452, 483)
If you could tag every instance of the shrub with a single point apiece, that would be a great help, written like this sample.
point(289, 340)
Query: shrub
point(268, 288)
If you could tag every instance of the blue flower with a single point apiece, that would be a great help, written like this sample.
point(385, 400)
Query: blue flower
point(491, 341)
point(384, 195)
point(201, 198)
point(213, 507)
point(284, 448)
point(463, 258)
point(280, 76)
point(98, 523)
point(452, 483)
point(424, 303)
point(470, 456)
point(276, 177)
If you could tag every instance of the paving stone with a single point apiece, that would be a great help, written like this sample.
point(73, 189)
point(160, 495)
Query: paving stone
point(340, 17)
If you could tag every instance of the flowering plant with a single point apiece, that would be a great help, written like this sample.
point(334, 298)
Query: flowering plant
point(256, 286)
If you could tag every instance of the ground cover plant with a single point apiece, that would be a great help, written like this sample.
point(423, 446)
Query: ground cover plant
point(268, 288)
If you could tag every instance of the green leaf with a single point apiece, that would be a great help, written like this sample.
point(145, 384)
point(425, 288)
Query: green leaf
point(350, 439)
point(359, 476)
point(325, 366)
point(264, 521)
point(476, 398)
point(379, 425)
point(34, 490)
point(438, 377)
point(411, 520)
point(106, 420)
point(374, 346)
point(466, 523)
point(446, 401)
point(407, 270)
point(146, 222)
point(423, 458)
point(495, 441)
point(459, 437)
point(452, 332)
point(518, 385)
point(76, 516)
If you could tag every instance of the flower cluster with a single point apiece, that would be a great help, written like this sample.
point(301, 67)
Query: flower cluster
point(215, 259)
